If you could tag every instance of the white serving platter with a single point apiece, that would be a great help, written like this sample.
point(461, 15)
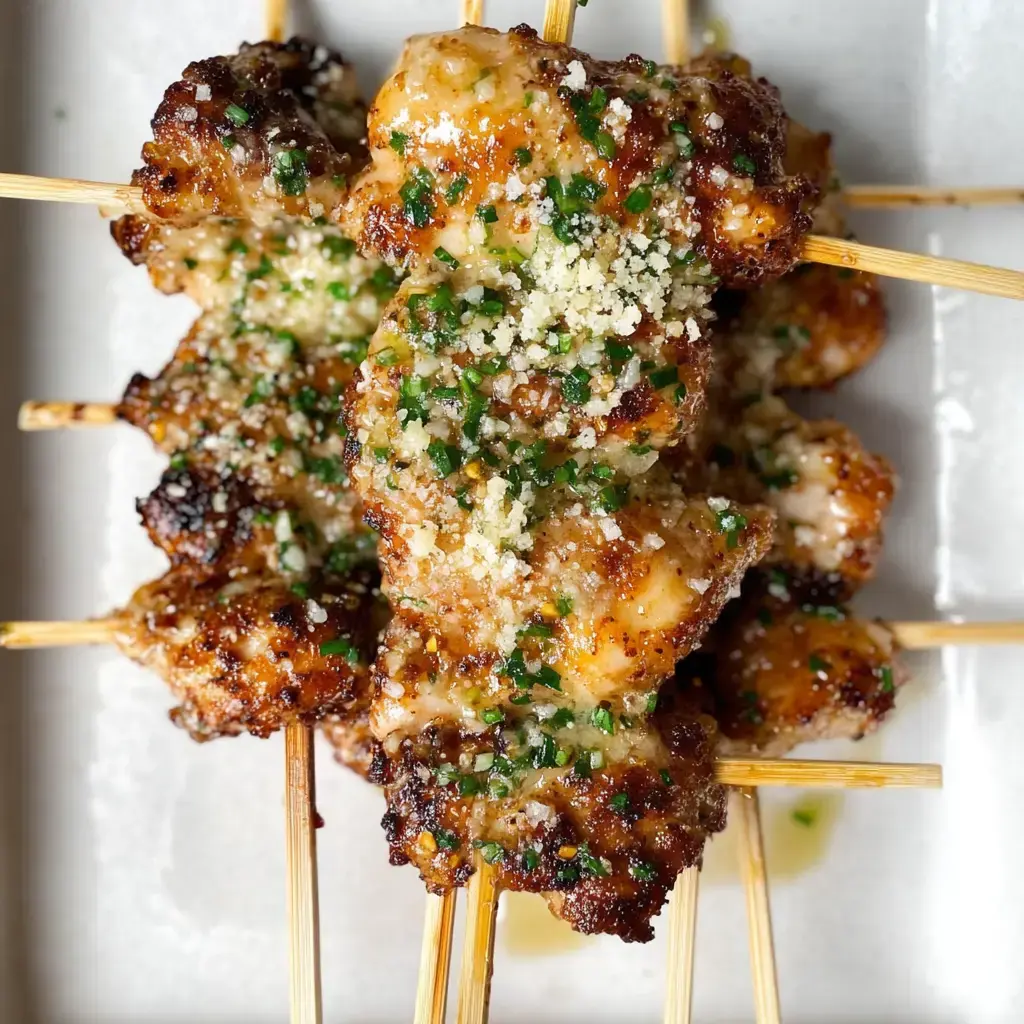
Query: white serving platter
point(142, 875)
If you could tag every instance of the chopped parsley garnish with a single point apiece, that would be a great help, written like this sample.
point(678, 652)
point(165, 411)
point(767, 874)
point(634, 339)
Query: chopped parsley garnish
point(343, 647)
point(817, 664)
point(236, 115)
point(530, 859)
point(490, 851)
point(417, 195)
point(642, 871)
point(538, 629)
point(744, 165)
point(488, 214)
point(561, 718)
point(576, 386)
point(731, 523)
point(442, 254)
point(639, 199)
point(398, 141)
point(523, 156)
point(455, 189)
point(445, 457)
point(563, 605)
point(613, 497)
point(662, 378)
point(586, 109)
point(290, 171)
point(602, 718)
point(591, 865)
point(445, 839)
point(663, 174)
point(619, 803)
point(681, 135)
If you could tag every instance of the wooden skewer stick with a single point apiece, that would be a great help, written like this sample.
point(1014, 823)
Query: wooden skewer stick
point(913, 636)
point(907, 266)
point(303, 894)
point(478, 945)
point(435, 959)
point(935, 270)
point(745, 810)
point(276, 20)
point(675, 26)
point(54, 415)
point(109, 197)
point(741, 771)
point(559, 19)
point(472, 12)
point(682, 934)
point(894, 197)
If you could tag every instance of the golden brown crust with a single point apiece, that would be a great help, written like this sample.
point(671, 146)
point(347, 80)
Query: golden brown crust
point(275, 128)
point(785, 668)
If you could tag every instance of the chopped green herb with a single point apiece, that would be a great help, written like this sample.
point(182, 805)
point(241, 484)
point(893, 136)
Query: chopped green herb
point(663, 377)
point(339, 290)
point(190, 263)
point(455, 189)
point(236, 115)
point(290, 171)
point(576, 386)
point(417, 197)
point(731, 523)
point(445, 839)
point(666, 776)
point(523, 156)
point(681, 135)
point(491, 852)
point(613, 497)
point(885, 674)
point(492, 716)
point(386, 357)
point(488, 214)
point(591, 865)
point(445, 457)
point(563, 605)
point(561, 718)
point(530, 859)
point(342, 646)
point(817, 664)
point(639, 199)
point(642, 871)
point(446, 257)
point(652, 702)
point(237, 245)
point(805, 816)
point(619, 803)
point(744, 165)
point(603, 719)
point(398, 141)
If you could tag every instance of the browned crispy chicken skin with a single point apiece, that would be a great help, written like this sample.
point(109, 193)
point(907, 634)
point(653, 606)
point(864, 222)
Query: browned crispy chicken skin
point(565, 222)
point(270, 611)
point(241, 649)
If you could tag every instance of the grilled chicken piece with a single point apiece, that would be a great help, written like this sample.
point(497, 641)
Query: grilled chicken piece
point(783, 668)
point(600, 815)
point(275, 129)
point(809, 329)
point(256, 386)
point(504, 436)
point(477, 118)
point(245, 642)
point(831, 495)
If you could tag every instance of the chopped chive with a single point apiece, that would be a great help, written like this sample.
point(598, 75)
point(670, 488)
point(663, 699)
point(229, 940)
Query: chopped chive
point(445, 457)
point(446, 257)
point(639, 199)
point(488, 214)
point(455, 189)
point(492, 716)
point(236, 115)
point(601, 717)
point(744, 165)
point(662, 378)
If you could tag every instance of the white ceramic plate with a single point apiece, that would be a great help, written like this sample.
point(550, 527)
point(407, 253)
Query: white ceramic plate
point(142, 876)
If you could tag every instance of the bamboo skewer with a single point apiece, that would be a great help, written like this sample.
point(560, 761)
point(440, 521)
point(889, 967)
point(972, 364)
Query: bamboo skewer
point(303, 886)
point(478, 946)
point(746, 811)
point(682, 935)
point(435, 959)
point(559, 19)
point(895, 197)
point(472, 12)
point(276, 20)
point(839, 252)
point(934, 270)
point(675, 27)
point(913, 636)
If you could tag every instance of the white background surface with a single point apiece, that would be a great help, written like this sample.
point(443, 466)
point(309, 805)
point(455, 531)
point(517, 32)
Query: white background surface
point(142, 876)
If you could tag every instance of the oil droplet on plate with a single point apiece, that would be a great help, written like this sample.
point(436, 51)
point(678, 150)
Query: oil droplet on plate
point(528, 928)
point(797, 836)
